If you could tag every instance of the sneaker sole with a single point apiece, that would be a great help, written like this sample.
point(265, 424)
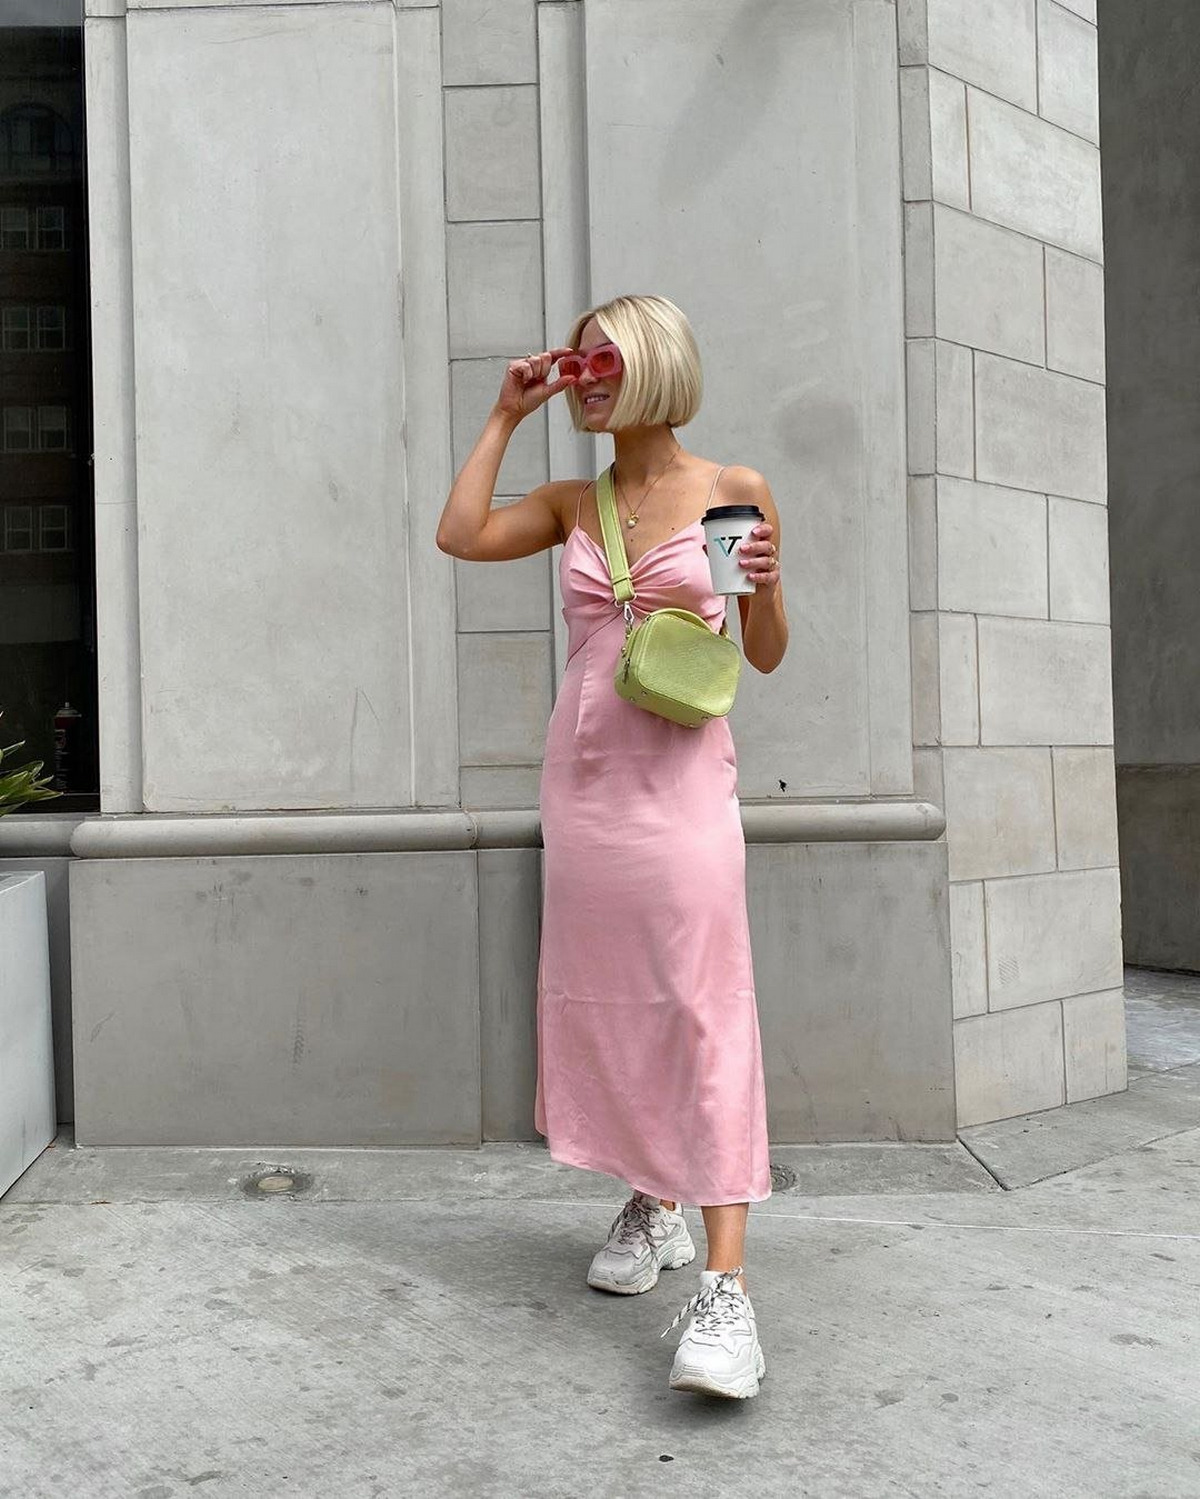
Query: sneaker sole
point(680, 1255)
point(698, 1382)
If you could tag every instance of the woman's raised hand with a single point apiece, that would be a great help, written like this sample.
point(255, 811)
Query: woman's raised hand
point(525, 385)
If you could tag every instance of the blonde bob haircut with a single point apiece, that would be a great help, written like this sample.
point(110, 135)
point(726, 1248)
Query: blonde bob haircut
point(661, 379)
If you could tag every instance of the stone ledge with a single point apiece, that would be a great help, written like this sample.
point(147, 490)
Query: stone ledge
point(185, 835)
point(43, 835)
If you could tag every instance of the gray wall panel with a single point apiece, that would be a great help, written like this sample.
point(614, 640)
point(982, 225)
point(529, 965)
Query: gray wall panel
point(299, 999)
point(510, 897)
point(852, 968)
point(744, 161)
point(269, 394)
point(347, 999)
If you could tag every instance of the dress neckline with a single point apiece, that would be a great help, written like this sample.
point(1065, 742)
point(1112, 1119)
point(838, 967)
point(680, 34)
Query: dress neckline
point(658, 545)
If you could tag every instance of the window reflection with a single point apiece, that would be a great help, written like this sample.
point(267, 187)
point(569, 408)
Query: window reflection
point(35, 140)
point(47, 647)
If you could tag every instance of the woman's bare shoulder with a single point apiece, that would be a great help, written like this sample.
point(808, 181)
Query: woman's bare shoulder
point(742, 482)
point(560, 496)
point(741, 485)
point(556, 491)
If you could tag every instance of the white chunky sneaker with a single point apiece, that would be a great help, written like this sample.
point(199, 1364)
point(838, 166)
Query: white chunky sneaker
point(719, 1352)
point(645, 1238)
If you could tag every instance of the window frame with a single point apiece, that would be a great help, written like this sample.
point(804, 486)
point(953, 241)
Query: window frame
point(11, 210)
point(64, 527)
point(43, 211)
point(10, 511)
point(7, 426)
point(43, 427)
point(40, 345)
point(8, 318)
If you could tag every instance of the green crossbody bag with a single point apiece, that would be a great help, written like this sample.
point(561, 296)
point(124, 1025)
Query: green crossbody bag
point(672, 663)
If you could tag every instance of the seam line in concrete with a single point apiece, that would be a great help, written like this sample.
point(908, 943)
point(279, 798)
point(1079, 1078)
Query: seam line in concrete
point(1003, 1228)
point(1029, 114)
point(758, 1218)
point(1157, 1071)
point(1170, 1134)
point(1042, 244)
point(209, 1204)
point(977, 1157)
point(1028, 364)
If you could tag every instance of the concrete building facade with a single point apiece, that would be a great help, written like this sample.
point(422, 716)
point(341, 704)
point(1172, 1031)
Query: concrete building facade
point(308, 910)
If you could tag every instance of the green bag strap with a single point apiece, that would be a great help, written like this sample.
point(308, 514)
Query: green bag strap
point(614, 545)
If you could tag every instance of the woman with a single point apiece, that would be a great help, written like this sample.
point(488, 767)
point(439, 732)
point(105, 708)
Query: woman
point(649, 1056)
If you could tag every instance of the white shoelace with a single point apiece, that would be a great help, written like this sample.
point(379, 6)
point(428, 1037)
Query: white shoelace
point(633, 1219)
point(716, 1305)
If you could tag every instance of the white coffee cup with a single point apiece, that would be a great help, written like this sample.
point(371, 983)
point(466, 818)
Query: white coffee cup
point(725, 528)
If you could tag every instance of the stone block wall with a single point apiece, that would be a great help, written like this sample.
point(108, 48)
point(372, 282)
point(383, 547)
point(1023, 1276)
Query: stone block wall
point(550, 202)
point(1008, 538)
point(496, 312)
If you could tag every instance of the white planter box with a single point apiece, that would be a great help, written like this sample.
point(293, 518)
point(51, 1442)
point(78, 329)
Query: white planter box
point(27, 1113)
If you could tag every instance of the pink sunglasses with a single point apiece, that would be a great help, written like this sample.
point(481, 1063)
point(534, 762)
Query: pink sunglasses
point(604, 360)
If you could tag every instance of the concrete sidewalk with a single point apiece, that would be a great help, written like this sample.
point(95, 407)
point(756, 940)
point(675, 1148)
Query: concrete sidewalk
point(416, 1321)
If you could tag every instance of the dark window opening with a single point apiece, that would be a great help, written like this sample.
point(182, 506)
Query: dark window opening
point(47, 540)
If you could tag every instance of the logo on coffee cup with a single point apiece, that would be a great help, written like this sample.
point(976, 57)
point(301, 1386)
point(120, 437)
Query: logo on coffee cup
point(727, 543)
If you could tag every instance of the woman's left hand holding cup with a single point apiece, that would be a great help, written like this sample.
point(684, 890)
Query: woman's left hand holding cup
point(760, 558)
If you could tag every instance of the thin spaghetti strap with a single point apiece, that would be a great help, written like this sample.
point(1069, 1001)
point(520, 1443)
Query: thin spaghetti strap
point(713, 490)
point(579, 501)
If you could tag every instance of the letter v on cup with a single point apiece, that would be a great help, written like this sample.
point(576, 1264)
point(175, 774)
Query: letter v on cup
point(725, 528)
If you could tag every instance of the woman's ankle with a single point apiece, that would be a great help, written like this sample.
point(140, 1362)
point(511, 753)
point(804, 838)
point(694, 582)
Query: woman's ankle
point(741, 1279)
point(670, 1206)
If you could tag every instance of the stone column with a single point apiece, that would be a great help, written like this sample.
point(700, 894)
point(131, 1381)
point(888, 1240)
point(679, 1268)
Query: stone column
point(259, 180)
point(1012, 711)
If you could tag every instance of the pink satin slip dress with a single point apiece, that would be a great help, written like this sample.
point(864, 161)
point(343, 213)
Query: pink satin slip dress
point(649, 1052)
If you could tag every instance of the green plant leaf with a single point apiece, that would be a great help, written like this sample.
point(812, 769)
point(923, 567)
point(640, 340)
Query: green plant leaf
point(24, 783)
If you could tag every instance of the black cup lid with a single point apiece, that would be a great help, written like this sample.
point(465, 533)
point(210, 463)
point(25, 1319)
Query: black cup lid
point(732, 512)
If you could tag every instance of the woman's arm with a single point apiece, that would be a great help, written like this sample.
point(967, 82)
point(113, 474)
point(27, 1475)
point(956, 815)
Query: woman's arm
point(764, 622)
point(469, 527)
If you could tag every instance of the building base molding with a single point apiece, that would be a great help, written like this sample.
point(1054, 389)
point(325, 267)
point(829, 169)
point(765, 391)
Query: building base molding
point(389, 998)
point(181, 835)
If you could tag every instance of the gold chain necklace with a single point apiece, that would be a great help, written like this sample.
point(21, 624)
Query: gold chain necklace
point(633, 514)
